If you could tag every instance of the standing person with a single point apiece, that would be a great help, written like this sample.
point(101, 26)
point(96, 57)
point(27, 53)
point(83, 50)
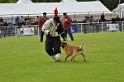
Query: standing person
point(66, 22)
point(21, 18)
point(1, 19)
point(37, 18)
point(85, 25)
point(102, 18)
point(42, 20)
point(19, 25)
point(1, 24)
point(17, 19)
point(97, 24)
point(53, 29)
point(28, 23)
point(10, 26)
point(56, 11)
point(5, 24)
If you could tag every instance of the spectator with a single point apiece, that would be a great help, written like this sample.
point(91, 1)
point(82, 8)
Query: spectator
point(1, 24)
point(17, 19)
point(10, 26)
point(118, 18)
point(28, 24)
point(26, 18)
point(85, 25)
point(87, 16)
point(113, 20)
point(1, 19)
point(102, 18)
point(91, 18)
point(66, 22)
point(42, 20)
point(53, 29)
point(23, 22)
point(22, 18)
point(19, 25)
point(97, 24)
point(56, 11)
point(37, 18)
point(5, 24)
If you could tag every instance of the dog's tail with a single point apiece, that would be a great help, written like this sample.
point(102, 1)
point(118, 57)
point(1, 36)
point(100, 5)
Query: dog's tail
point(82, 46)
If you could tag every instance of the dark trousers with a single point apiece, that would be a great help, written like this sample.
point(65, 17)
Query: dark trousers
point(69, 33)
point(41, 36)
point(53, 45)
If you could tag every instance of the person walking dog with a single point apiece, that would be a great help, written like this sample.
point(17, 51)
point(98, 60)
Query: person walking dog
point(53, 29)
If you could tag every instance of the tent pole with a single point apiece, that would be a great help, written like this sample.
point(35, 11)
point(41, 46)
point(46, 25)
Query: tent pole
point(119, 8)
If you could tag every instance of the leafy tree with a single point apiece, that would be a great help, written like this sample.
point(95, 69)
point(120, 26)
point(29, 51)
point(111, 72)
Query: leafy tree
point(8, 1)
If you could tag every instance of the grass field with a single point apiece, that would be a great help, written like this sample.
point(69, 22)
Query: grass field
point(23, 59)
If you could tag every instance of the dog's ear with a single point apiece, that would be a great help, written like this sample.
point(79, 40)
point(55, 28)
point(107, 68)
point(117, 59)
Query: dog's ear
point(63, 44)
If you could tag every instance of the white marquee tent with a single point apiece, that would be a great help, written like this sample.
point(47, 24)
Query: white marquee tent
point(119, 10)
point(24, 1)
point(69, 6)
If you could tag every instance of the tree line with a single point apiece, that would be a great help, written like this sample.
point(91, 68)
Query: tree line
point(110, 4)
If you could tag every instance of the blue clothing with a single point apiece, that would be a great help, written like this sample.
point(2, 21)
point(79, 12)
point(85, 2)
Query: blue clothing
point(70, 34)
point(17, 19)
point(10, 25)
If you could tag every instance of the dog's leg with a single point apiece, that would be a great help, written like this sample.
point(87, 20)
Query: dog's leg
point(66, 57)
point(73, 59)
point(83, 56)
point(73, 56)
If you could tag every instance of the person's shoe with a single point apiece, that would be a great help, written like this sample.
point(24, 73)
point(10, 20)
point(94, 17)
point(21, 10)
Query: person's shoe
point(58, 57)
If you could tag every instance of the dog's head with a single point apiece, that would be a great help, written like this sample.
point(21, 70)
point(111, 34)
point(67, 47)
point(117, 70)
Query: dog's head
point(63, 44)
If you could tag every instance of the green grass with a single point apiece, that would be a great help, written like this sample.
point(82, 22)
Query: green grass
point(23, 59)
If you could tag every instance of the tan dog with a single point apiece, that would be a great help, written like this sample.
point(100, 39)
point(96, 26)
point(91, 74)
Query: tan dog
point(73, 50)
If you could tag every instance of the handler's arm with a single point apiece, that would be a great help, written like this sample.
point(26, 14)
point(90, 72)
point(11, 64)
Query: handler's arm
point(45, 27)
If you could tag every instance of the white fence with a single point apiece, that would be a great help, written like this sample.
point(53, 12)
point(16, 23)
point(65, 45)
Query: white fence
point(19, 31)
point(92, 27)
point(97, 27)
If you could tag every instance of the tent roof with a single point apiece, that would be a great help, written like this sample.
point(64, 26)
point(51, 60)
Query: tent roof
point(119, 10)
point(69, 6)
point(24, 1)
point(119, 7)
point(66, 1)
